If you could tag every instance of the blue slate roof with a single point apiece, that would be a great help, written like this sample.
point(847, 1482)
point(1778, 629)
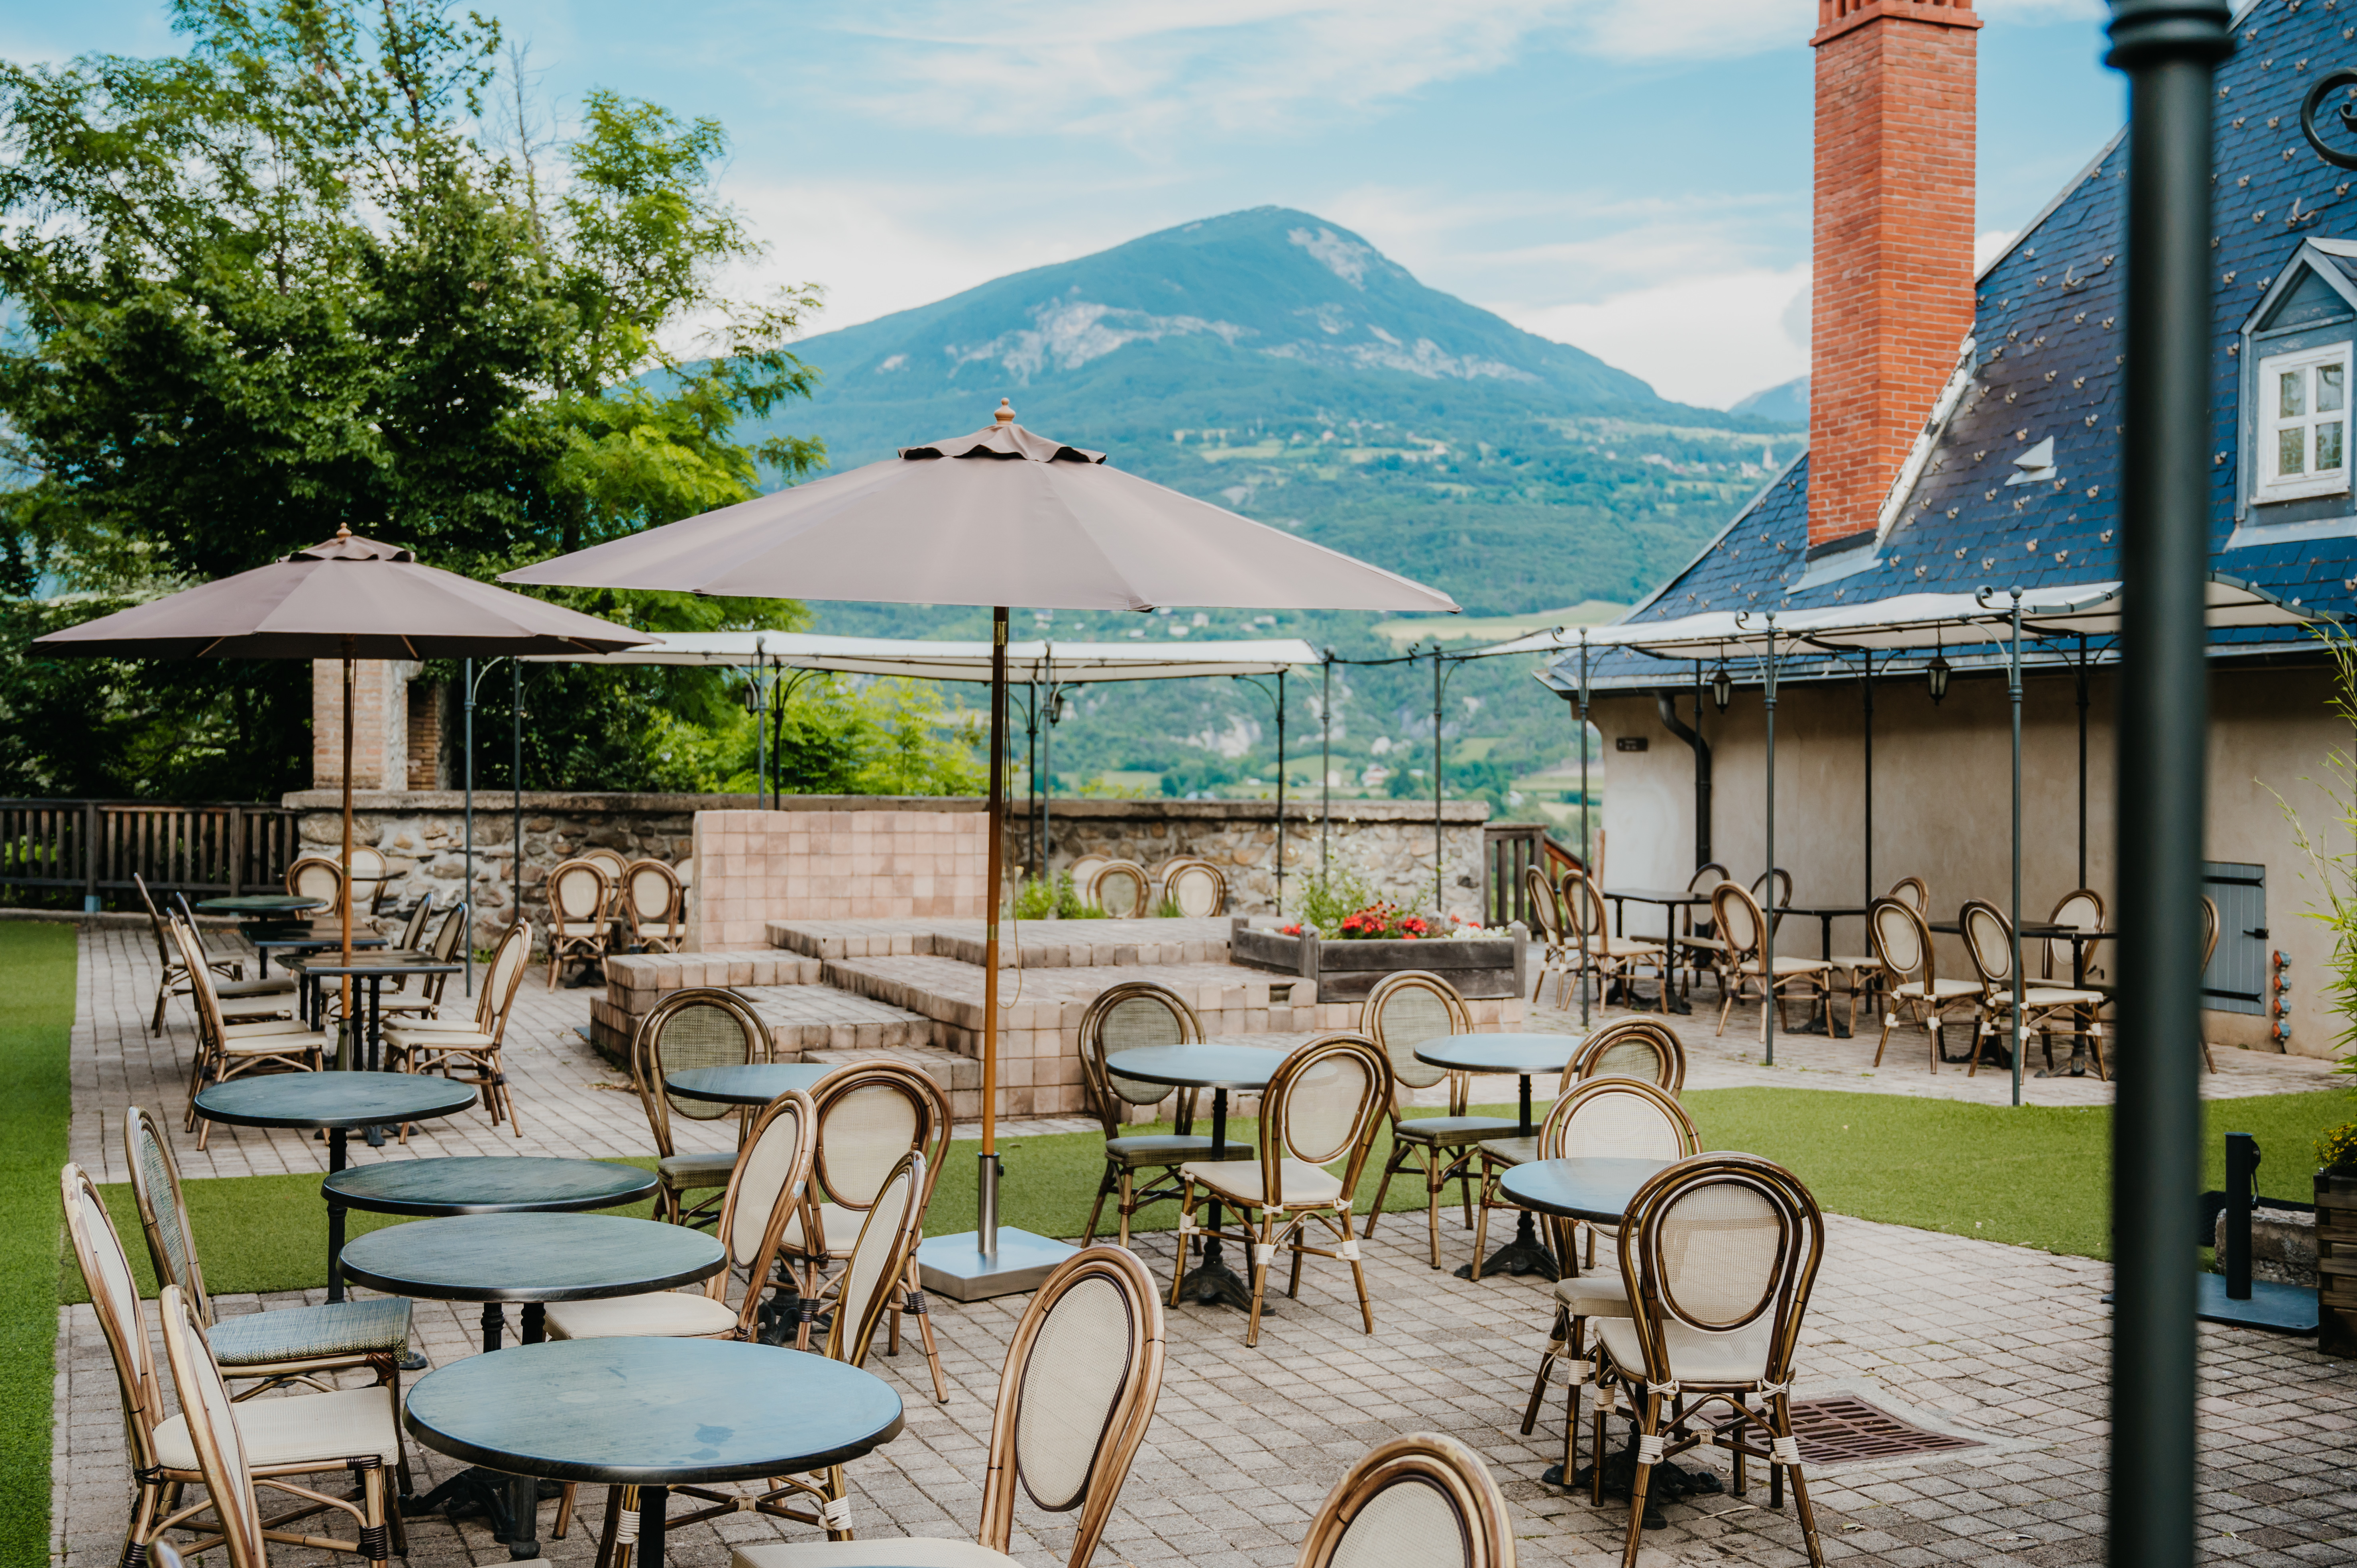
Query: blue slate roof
point(2049, 334)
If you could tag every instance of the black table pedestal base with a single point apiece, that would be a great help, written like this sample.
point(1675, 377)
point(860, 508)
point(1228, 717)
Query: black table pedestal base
point(1213, 1283)
point(1525, 1254)
point(511, 1504)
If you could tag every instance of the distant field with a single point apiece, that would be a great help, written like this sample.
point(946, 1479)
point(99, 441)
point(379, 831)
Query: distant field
point(1495, 629)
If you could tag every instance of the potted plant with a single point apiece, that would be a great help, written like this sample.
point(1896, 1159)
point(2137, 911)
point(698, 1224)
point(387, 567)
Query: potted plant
point(1347, 940)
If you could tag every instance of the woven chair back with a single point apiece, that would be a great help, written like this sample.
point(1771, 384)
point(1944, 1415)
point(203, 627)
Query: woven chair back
point(652, 892)
point(1121, 889)
point(1740, 925)
point(212, 1419)
point(369, 874)
point(1583, 907)
point(1707, 875)
point(502, 979)
point(164, 1209)
point(209, 1023)
point(701, 1026)
point(1405, 1010)
point(1199, 888)
point(1914, 893)
point(1783, 885)
point(686, 870)
point(1080, 1386)
point(612, 862)
point(315, 876)
point(115, 1297)
point(768, 1186)
point(1901, 941)
point(1419, 1501)
point(2209, 929)
point(413, 930)
point(577, 892)
point(1617, 1119)
point(2082, 909)
point(1727, 1245)
point(1084, 871)
point(1988, 941)
point(1322, 1104)
point(880, 1259)
point(166, 954)
point(1634, 1047)
point(1126, 1017)
point(1546, 908)
point(448, 935)
point(869, 1114)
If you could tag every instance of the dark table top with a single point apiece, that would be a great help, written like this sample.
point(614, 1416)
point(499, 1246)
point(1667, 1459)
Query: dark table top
point(259, 904)
point(1657, 895)
point(653, 1411)
point(488, 1183)
point(318, 934)
point(2038, 929)
point(1198, 1066)
point(397, 961)
point(1524, 1054)
point(1822, 912)
point(344, 1099)
point(530, 1257)
point(1588, 1188)
point(750, 1083)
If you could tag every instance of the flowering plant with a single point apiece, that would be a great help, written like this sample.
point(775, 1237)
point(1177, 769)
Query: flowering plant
point(1465, 931)
point(1381, 922)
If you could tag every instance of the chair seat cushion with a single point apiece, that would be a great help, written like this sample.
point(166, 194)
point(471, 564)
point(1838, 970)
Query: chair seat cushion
point(276, 985)
point(838, 1225)
point(658, 1314)
point(575, 930)
point(1843, 961)
point(1451, 1129)
point(1302, 1184)
point(410, 1039)
point(1617, 947)
point(440, 1027)
point(262, 1028)
point(299, 1333)
point(1510, 1150)
point(2053, 996)
point(1602, 1294)
point(328, 1428)
point(1792, 966)
point(699, 1169)
point(285, 1042)
point(1172, 1149)
point(1913, 989)
point(1696, 1356)
point(889, 1551)
point(1705, 944)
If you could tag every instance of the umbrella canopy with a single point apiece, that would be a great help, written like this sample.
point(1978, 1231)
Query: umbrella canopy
point(1087, 662)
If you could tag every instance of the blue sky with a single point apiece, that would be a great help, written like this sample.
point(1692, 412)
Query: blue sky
point(1630, 175)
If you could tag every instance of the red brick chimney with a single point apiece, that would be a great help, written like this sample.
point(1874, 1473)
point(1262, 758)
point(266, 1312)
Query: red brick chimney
point(1892, 293)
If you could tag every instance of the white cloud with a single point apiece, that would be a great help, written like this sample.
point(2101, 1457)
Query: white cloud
point(1990, 244)
point(1704, 339)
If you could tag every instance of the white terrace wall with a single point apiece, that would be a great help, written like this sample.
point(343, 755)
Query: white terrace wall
point(1942, 805)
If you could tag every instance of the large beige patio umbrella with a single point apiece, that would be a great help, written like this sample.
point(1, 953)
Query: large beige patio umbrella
point(350, 599)
point(1001, 517)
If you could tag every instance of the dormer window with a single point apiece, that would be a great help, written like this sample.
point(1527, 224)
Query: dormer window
point(2303, 445)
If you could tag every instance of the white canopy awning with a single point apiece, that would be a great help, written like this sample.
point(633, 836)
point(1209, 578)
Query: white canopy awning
point(929, 660)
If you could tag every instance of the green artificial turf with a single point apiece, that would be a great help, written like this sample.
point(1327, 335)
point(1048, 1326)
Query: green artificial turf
point(37, 1008)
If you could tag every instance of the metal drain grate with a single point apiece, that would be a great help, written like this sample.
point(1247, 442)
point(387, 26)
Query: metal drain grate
point(1843, 1430)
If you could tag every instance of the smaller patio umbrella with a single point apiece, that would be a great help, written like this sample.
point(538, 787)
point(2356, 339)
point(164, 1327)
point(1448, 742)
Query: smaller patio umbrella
point(349, 598)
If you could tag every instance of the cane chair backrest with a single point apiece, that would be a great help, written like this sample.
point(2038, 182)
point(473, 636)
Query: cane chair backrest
point(166, 953)
point(651, 894)
point(209, 1022)
point(1080, 1386)
point(1583, 907)
point(502, 978)
point(448, 935)
point(1199, 888)
point(1901, 941)
point(1723, 1245)
point(413, 930)
point(1707, 875)
point(1323, 1104)
point(1988, 941)
point(369, 874)
point(1084, 871)
point(1783, 883)
point(579, 892)
point(1121, 889)
point(1634, 1047)
point(1740, 925)
point(700, 1026)
point(212, 1419)
point(2082, 909)
point(879, 1258)
point(869, 1114)
point(1131, 1016)
point(1547, 911)
point(115, 1297)
point(1917, 895)
point(2209, 929)
point(1617, 1119)
point(1419, 1501)
point(317, 877)
point(1405, 1010)
point(764, 1189)
point(164, 1209)
point(686, 870)
point(612, 862)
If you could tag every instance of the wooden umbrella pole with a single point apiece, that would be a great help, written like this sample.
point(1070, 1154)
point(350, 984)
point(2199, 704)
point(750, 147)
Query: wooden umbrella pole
point(347, 899)
point(986, 1190)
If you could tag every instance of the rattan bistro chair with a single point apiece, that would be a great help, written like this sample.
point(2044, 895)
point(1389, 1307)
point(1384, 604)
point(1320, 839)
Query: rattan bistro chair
point(579, 899)
point(2082, 909)
point(1419, 1501)
point(317, 877)
point(1743, 928)
point(1903, 943)
point(1603, 1118)
point(1403, 1011)
point(468, 1050)
point(699, 1026)
point(1721, 1252)
point(1126, 1017)
point(656, 904)
point(1196, 888)
point(1556, 956)
point(1122, 889)
point(227, 1048)
point(426, 1001)
point(1609, 958)
point(2210, 924)
point(229, 969)
point(1697, 946)
point(1988, 943)
point(1913, 892)
point(370, 874)
point(284, 1344)
point(1322, 1107)
point(614, 864)
point(288, 1436)
point(1081, 1378)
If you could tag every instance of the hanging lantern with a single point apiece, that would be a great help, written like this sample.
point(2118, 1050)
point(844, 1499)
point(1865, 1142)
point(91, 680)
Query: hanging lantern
point(752, 696)
point(1938, 670)
point(1722, 687)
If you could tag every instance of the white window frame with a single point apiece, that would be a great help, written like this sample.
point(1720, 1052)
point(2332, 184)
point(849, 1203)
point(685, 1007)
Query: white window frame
point(2269, 485)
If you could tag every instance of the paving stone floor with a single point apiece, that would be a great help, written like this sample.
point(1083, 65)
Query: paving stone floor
point(1999, 1343)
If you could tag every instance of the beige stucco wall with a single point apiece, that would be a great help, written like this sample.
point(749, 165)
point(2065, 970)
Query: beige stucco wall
point(1943, 804)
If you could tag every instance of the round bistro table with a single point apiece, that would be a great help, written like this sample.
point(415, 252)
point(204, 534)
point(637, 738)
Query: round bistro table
point(534, 1259)
point(649, 1414)
point(1521, 1054)
point(488, 1183)
point(752, 1083)
point(1218, 1068)
point(341, 1103)
point(260, 906)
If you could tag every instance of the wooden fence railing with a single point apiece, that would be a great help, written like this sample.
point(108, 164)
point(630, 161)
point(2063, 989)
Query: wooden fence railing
point(96, 846)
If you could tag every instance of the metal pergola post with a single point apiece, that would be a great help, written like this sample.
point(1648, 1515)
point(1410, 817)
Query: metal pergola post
point(516, 783)
point(2169, 48)
point(1866, 694)
point(2013, 693)
point(1768, 919)
point(1280, 793)
point(1326, 767)
point(1587, 832)
point(1435, 778)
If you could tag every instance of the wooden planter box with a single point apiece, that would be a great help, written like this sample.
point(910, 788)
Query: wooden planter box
point(2336, 1264)
point(1486, 967)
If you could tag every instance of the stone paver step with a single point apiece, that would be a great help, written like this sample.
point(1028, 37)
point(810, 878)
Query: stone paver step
point(958, 1077)
point(1042, 944)
point(634, 981)
point(799, 1018)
